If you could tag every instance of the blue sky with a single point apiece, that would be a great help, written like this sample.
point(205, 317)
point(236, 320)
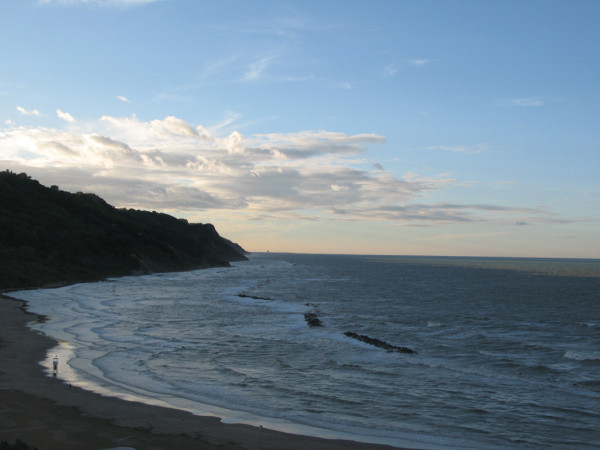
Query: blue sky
point(384, 127)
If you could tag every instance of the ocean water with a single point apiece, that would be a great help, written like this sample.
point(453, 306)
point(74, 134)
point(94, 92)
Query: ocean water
point(508, 350)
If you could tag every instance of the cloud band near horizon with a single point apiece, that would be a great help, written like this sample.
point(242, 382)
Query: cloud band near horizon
point(171, 165)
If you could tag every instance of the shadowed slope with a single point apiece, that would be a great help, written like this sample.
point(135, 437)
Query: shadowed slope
point(51, 236)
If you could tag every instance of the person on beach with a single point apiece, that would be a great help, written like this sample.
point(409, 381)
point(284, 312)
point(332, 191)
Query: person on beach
point(55, 365)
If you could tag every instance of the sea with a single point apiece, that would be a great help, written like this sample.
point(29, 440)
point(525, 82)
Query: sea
point(506, 350)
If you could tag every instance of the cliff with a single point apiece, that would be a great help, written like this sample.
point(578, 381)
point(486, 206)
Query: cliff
point(48, 236)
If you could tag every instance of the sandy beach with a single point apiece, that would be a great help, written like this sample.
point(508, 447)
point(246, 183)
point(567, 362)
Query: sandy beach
point(49, 414)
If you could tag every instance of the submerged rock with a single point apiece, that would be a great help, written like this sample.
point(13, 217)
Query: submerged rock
point(312, 319)
point(379, 343)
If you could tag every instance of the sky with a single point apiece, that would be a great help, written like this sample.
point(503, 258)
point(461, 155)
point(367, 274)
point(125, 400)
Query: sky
point(432, 127)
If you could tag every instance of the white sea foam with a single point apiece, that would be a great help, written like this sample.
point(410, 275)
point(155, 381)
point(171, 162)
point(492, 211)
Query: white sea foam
point(582, 356)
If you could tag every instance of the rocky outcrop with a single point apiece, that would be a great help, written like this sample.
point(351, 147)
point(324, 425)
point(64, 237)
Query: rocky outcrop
point(312, 319)
point(379, 343)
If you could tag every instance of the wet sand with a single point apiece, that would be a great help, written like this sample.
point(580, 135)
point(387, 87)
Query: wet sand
point(49, 414)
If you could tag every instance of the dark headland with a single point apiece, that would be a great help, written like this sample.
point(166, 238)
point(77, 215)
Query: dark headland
point(49, 236)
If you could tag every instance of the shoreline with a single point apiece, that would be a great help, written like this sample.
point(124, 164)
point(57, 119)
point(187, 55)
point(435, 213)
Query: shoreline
point(47, 413)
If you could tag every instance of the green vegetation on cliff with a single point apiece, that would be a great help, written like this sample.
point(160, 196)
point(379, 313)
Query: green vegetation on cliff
point(48, 236)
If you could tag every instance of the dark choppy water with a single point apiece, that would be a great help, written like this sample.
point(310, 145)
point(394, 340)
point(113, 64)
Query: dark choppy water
point(508, 349)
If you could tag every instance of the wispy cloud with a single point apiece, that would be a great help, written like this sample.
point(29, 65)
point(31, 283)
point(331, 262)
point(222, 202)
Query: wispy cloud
point(390, 70)
point(310, 143)
point(28, 112)
point(65, 116)
point(118, 3)
point(455, 236)
point(170, 164)
point(256, 69)
point(469, 149)
point(216, 67)
point(123, 99)
point(523, 101)
point(420, 61)
point(289, 25)
point(270, 67)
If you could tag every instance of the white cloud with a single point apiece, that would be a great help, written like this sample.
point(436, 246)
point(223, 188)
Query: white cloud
point(170, 164)
point(335, 187)
point(164, 132)
point(65, 116)
point(306, 144)
point(123, 99)
point(28, 112)
point(173, 126)
point(272, 173)
point(113, 150)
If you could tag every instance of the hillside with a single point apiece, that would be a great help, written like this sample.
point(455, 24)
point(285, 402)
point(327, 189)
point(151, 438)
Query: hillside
point(48, 236)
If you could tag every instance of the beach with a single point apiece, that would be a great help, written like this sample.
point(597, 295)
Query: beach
point(48, 414)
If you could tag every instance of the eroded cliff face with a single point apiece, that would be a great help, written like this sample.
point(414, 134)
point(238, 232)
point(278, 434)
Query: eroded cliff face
point(48, 236)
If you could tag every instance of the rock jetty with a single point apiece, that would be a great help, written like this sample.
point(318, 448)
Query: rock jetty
point(254, 297)
point(379, 343)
